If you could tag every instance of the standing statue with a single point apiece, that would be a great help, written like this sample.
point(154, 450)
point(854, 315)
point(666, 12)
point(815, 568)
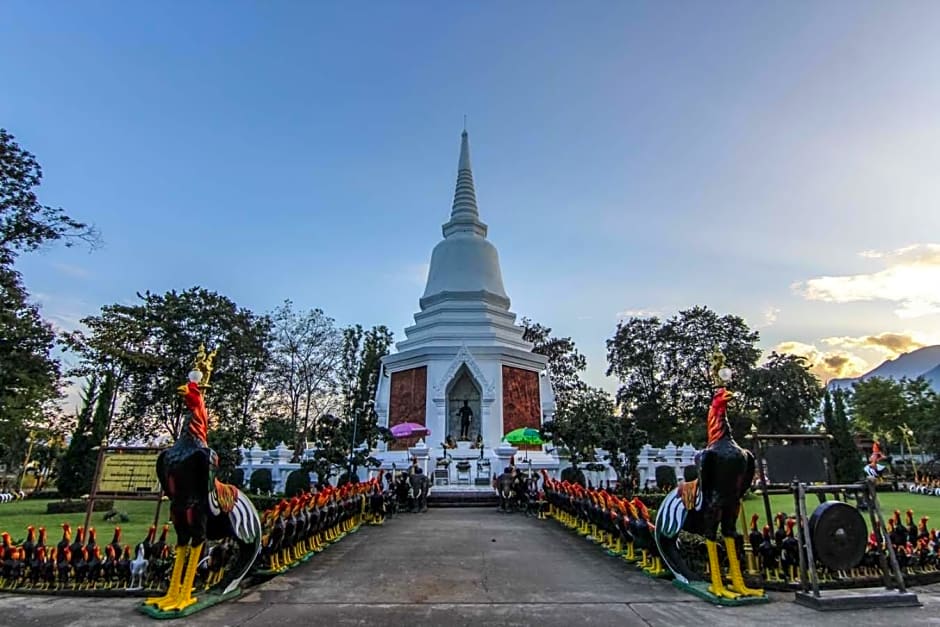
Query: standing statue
point(466, 415)
point(201, 506)
point(700, 506)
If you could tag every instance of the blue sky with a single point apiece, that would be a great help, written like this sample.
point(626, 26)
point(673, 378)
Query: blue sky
point(775, 160)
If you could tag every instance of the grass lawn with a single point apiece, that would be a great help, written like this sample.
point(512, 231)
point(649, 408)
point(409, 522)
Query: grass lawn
point(15, 517)
point(889, 501)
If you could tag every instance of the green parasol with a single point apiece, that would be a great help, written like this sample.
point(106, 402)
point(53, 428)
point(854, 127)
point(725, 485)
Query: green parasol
point(525, 435)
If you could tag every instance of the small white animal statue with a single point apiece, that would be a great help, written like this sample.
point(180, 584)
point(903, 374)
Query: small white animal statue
point(138, 570)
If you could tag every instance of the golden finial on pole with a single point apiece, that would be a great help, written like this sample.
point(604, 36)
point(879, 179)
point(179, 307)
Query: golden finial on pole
point(720, 372)
point(202, 366)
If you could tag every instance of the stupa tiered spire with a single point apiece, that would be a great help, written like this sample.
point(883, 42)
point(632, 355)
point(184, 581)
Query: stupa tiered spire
point(464, 215)
point(464, 299)
point(465, 347)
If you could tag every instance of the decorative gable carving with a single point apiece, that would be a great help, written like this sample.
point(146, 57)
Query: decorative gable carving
point(465, 357)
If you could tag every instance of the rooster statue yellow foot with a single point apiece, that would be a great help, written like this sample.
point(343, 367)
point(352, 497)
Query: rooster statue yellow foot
point(734, 570)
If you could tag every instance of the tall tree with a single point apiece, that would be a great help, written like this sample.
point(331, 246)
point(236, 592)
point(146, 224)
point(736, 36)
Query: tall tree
point(582, 426)
point(29, 375)
point(888, 409)
point(225, 443)
point(565, 362)
point(921, 406)
point(25, 223)
point(77, 466)
point(845, 454)
point(622, 440)
point(636, 356)
point(922, 412)
point(361, 361)
point(879, 407)
point(150, 345)
point(109, 347)
point(664, 369)
point(274, 430)
point(244, 377)
point(307, 349)
point(331, 454)
point(784, 394)
point(347, 441)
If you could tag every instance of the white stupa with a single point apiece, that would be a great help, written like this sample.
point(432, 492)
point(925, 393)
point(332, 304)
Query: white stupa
point(464, 350)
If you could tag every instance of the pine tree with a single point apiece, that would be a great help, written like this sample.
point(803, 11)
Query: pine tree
point(77, 466)
point(848, 462)
point(104, 408)
point(78, 463)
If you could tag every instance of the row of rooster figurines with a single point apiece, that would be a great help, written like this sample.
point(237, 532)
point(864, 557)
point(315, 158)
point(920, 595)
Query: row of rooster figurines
point(8, 496)
point(773, 553)
point(81, 563)
point(907, 537)
point(84, 564)
point(927, 487)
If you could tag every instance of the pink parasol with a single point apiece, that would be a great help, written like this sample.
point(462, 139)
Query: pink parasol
point(410, 430)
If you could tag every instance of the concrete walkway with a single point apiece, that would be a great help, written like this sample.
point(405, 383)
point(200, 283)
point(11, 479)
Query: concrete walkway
point(463, 567)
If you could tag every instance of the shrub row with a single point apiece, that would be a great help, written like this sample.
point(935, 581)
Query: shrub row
point(72, 507)
point(44, 495)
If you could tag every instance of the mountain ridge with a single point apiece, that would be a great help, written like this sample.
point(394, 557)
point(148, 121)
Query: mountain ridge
point(922, 362)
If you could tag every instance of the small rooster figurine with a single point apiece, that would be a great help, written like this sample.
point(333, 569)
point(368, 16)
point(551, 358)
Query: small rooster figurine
point(712, 500)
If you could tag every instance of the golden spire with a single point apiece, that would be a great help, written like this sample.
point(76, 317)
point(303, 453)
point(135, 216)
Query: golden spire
point(203, 366)
point(720, 373)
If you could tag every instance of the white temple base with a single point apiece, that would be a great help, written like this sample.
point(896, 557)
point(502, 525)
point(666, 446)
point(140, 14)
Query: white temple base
point(449, 477)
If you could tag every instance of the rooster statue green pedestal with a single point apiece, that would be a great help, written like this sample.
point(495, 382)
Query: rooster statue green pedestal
point(712, 500)
point(202, 508)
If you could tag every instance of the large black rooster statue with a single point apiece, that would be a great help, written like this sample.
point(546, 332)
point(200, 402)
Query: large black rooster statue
point(700, 506)
point(201, 506)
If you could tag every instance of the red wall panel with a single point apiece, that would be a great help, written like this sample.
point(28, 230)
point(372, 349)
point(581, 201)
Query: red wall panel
point(407, 402)
point(521, 405)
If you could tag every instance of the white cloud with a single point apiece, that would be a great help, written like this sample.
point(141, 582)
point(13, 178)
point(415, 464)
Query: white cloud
point(63, 322)
point(62, 312)
point(911, 279)
point(770, 316)
point(889, 343)
point(826, 364)
point(638, 313)
point(73, 271)
point(72, 395)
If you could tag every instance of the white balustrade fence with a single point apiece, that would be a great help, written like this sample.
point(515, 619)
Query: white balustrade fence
point(278, 462)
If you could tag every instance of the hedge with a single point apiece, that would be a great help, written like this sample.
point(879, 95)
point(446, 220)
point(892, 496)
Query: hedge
point(261, 480)
point(665, 477)
point(72, 507)
point(44, 495)
point(297, 481)
point(573, 475)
